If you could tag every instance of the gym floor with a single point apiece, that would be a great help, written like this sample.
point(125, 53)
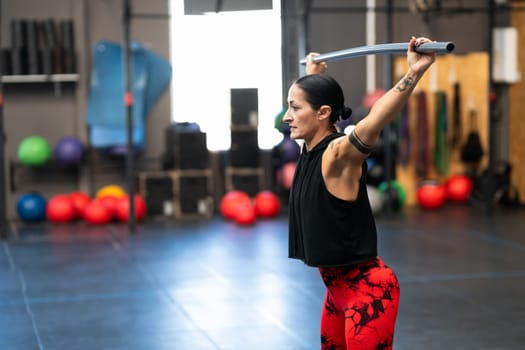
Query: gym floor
point(210, 284)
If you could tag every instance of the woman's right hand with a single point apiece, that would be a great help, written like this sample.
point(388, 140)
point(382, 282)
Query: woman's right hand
point(313, 67)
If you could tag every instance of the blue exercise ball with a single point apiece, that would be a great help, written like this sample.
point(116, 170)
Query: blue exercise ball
point(68, 151)
point(31, 207)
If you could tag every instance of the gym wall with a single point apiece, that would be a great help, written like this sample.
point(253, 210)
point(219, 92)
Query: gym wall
point(55, 110)
point(334, 25)
point(517, 106)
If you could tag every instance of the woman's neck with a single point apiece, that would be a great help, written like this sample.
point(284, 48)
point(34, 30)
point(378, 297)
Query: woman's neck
point(314, 141)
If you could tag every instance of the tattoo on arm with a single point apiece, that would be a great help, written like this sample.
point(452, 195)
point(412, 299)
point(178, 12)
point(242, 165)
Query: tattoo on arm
point(404, 84)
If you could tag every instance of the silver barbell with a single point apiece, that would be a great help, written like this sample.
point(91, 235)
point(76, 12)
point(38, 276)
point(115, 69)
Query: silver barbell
point(394, 48)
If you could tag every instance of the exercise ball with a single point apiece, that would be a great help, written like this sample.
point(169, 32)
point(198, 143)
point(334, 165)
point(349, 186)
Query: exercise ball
point(370, 98)
point(68, 151)
point(376, 199)
point(229, 202)
point(375, 174)
point(289, 150)
point(31, 207)
point(431, 194)
point(267, 204)
point(34, 151)
point(285, 175)
point(458, 188)
point(393, 193)
point(60, 208)
point(111, 190)
point(110, 202)
point(80, 201)
point(122, 208)
point(96, 213)
point(245, 214)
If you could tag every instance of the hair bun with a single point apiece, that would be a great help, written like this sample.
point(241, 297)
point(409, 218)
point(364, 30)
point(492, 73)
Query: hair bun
point(346, 112)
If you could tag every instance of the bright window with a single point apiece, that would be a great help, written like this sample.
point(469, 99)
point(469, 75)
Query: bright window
point(213, 53)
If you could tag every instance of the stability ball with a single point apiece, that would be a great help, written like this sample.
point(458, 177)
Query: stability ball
point(110, 202)
point(80, 201)
point(370, 98)
point(267, 204)
point(68, 151)
point(289, 150)
point(376, 173)
point(394, 193)
point(458, 188)
point(229, 202)
point(245, 214)
point(376, 199)
point(96, 213)
point(34, 151)
point(431, 194)
point(31, 207)
point(60, 208)
point(122, 208)
point(285, 175)
point(111, 190)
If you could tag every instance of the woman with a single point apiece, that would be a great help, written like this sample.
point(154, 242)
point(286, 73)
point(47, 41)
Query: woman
point(331, 224)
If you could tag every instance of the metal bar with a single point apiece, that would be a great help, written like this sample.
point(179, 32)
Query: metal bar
point(128, 79)
point(394, 48)
point(3, 182)
point(444, 11)
point(391, 201)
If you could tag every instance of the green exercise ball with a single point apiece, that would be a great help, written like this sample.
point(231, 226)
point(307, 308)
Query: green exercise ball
point(34, 151)
point(395, 191)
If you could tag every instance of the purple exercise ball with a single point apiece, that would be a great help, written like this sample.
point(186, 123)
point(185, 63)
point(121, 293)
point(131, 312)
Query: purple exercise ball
point(68, 151)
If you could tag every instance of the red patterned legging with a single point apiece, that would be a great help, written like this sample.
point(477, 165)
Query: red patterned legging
point(360, 306)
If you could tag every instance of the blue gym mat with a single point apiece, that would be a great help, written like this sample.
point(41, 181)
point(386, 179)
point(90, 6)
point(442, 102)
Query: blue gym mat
point(106, 112)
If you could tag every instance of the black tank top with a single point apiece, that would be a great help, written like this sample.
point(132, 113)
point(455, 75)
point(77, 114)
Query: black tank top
point(325, 230)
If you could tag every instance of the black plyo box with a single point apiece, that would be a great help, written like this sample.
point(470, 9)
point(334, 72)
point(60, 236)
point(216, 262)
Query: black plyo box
point(249, 180)
point(187, 150)
point(158, 190)
point(194, 194)
point(177, 193)
point(244, 104)
point(244, 151)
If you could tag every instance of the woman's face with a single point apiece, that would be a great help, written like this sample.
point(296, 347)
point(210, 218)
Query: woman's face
point(300, 116)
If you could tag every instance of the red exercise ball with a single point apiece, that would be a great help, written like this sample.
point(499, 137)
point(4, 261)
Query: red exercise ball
point(229, 202)
point(371, 98)
point(458, 188)
point(60, 208)
point(267, 204)
point(431, 195)
point(245, 214)
point(110, 202)
point(96, 213)
point(285, 175)
point(80, 201)
point(122, 208)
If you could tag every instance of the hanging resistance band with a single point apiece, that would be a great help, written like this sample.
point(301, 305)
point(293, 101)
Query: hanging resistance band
point(456, 131)
point(405, 146)
point(422, 161)
point(441, 154)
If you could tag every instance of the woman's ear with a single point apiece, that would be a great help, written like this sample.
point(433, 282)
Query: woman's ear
point(324, 112)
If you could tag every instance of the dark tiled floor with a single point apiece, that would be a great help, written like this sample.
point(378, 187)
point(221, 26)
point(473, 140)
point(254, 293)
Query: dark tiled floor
point(214, 285)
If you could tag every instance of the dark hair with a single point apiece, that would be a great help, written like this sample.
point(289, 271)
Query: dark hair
point(322, 89)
